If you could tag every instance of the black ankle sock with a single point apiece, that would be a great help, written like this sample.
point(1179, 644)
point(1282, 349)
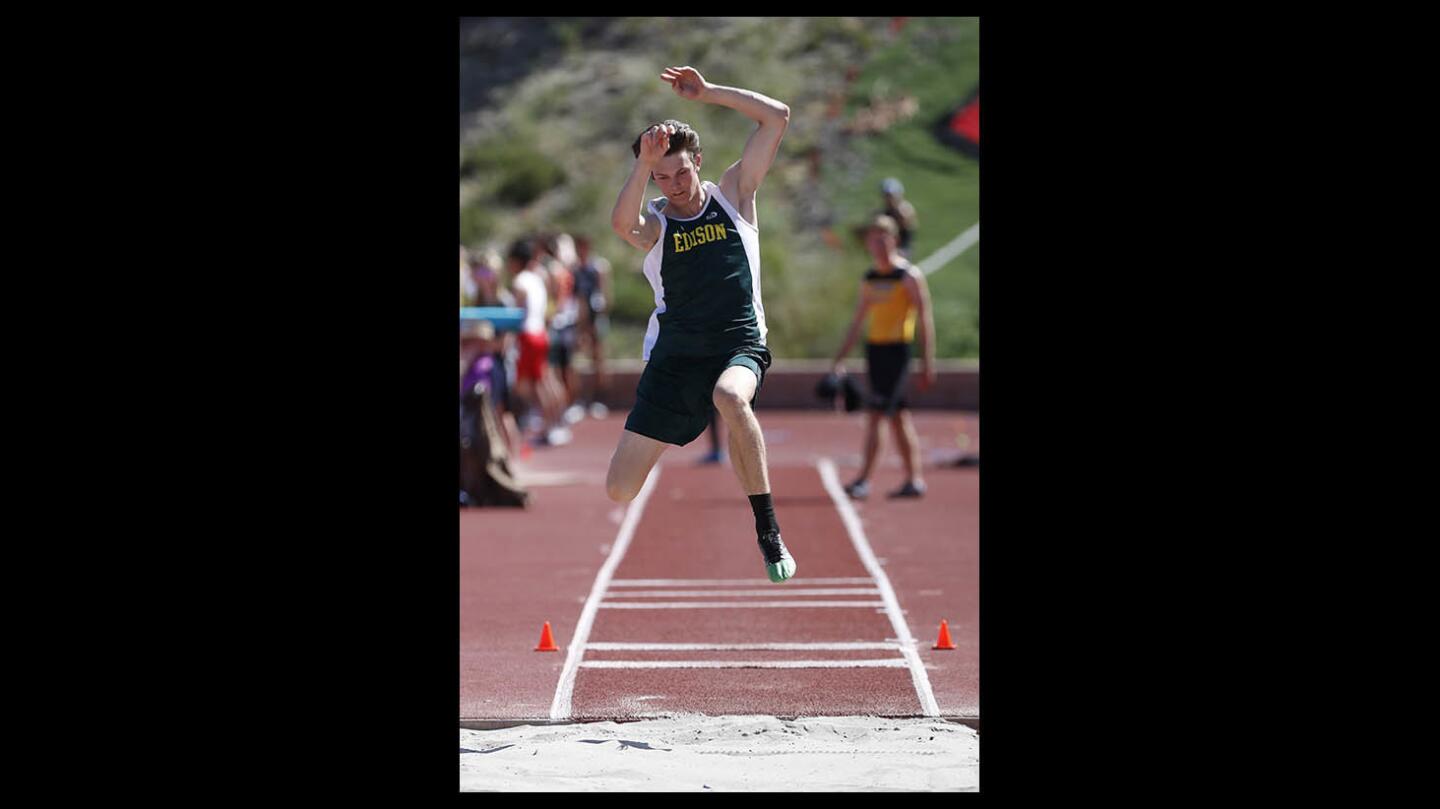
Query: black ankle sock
point(764, 513)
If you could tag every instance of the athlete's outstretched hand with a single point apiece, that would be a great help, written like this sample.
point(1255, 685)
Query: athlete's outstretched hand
point(654, 143)
point(686, 81)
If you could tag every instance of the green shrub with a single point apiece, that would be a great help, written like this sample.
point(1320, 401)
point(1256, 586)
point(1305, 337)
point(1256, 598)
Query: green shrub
point(477, 222)
point(518, 172)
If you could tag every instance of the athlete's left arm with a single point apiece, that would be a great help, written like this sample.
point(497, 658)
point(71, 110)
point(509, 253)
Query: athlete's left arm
point(743, 178)
point(920, 294)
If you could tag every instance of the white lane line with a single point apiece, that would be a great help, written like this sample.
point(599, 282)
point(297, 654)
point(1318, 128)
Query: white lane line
point(955, 247)
point(773, 591)
point(734, 647)
point(565, 689)
point(725, 582)
point(889, 663)
point(707, 605)
point(892, 604)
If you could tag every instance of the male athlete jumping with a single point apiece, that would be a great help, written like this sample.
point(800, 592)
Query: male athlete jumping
point(705, 345)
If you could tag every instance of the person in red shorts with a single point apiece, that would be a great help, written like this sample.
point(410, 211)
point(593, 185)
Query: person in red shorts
point(530, 370)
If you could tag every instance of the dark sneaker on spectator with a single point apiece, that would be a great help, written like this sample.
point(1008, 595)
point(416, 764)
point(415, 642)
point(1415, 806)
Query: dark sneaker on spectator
point(859, 490)
point(712, 457)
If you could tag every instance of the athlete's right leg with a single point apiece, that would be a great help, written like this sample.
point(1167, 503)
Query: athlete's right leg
point(634, 457)
point(731, 398)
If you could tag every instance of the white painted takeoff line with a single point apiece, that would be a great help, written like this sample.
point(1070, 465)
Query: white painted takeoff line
point(728, 582)
point(735, 647)
point(831, 480)
point(565, 688)
point(888, 663)
point(710, 605)
point(772, 592)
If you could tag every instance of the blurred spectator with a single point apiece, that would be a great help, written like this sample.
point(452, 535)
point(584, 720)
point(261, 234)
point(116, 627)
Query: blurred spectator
point(486, 288)
point(482, 365)
point(562, 261)
point(899, 209)
point(485, 475)
point(557, 279)
point(592, 291)
point(549, 269)
point(896, 300)
point(532, 373)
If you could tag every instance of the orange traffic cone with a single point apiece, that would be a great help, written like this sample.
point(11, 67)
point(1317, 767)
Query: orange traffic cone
point(942, 642)
point(547, 642)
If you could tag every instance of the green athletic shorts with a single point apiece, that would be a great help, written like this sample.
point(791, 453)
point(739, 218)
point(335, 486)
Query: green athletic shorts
point(676, 394)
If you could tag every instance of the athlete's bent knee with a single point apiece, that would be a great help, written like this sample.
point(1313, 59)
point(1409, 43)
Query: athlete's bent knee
point(619, 492)
point(728, 399)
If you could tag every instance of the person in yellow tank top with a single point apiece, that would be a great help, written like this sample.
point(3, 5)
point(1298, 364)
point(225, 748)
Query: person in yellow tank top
point(897, 300)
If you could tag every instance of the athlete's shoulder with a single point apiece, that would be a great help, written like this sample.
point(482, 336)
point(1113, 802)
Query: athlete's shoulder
point(717, 190)
point(658, 204)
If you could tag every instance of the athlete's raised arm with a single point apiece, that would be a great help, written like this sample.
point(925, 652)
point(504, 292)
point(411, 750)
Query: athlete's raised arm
point(743, 178)
point(628, 217)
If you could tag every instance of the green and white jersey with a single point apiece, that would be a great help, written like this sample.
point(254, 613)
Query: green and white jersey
point(705, 271)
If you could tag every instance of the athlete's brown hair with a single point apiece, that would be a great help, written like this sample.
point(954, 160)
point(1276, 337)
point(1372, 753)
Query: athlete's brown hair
point(684, 138)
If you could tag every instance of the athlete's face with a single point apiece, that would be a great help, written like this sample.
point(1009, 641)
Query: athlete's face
point(879, 242)
point(678, 175)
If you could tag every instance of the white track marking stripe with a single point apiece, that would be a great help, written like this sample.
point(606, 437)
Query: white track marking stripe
point(565, 688)
point(725, 582)
point(734, 647)
point(892, 605)
point(955, 247)
point(708, 605)
point(888, 663)
point(772, 592)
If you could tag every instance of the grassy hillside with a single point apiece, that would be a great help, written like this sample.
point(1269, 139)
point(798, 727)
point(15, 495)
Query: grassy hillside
point(548, 148)
point(938, 65)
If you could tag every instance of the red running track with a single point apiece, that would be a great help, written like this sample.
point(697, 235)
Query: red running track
point(695, 543)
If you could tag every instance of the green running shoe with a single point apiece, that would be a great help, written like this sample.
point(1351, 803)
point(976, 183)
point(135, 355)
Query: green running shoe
point(779, 564)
